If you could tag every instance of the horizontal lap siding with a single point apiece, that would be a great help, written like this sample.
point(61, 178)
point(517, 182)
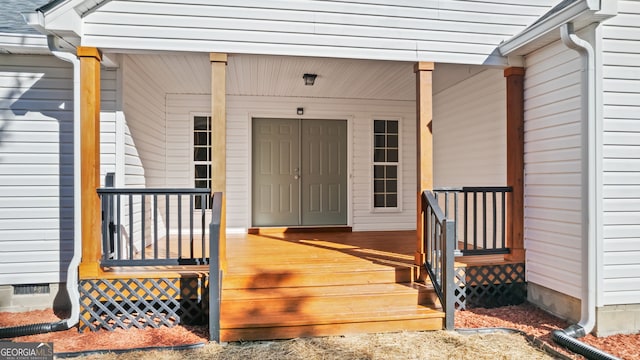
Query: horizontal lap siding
point(108, 108)
point(36, 169)
point(621, 155)
point(553, 226)
point(144, 109)
point(443, 31)
point(470, 132)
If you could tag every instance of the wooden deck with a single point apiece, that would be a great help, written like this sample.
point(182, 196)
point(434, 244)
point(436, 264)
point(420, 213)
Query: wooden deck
point(282, 284)
point(286, 285)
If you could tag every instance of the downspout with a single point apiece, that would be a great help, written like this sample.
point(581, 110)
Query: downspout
point(72, 271)
point(584, 48)
point(568, 336)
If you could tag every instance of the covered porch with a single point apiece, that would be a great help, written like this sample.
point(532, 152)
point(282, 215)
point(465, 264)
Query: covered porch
point(292, 267)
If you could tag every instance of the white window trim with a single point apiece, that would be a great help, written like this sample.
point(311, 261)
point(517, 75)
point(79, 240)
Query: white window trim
point(192, 163)
point(399, 207)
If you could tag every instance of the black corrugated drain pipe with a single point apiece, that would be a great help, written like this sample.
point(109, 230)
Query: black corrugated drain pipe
point(568, 338)
point(32, 329)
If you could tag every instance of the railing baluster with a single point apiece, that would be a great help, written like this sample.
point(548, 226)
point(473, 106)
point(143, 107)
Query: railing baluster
point(167, 222)
point(495, 220)
point(455, 219)
point(144, 216)
point(466, 220)
point(205, 204)
point(119, 226)
point(131, 233)
point(179, 226)
point(156, 241)
point(191, 209)
point(475, 220)
point(484, 220)
point(504, 224)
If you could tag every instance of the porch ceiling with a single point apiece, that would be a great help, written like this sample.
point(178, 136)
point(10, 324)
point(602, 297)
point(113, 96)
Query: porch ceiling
point(257, 75)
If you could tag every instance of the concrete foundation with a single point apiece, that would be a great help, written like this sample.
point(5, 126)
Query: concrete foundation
point(56, 299)
point(559, 304)
point(617, 319)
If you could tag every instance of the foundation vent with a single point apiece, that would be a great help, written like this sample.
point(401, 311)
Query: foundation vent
point(31, 289)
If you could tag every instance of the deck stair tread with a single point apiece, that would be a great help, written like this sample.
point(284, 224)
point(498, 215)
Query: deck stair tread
point(314, 291)
point(285, 286)
point(391, 313)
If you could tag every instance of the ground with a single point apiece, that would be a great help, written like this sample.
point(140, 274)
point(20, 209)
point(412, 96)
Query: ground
point(527, 318)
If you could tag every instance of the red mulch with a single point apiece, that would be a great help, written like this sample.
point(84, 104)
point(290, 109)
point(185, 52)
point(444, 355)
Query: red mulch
point(71, 340)
point(540, 324)
point(525, 317)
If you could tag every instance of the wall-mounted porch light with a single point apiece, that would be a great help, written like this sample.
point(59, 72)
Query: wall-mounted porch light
point(309, 79)
point(300, 111)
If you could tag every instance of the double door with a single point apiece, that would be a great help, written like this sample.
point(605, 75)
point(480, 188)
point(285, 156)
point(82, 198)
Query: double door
point(299, 172)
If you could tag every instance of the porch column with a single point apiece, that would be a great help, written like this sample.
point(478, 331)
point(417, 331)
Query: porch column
point(515, 161)
point(424, 144)
point(90, 160)
point(219, 140)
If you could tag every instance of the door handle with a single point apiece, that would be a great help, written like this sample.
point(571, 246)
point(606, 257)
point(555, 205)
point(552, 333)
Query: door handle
point(296, 177)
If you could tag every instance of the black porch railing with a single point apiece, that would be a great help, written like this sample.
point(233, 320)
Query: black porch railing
point(148, 227)
point(439, 245)
point(481, 217)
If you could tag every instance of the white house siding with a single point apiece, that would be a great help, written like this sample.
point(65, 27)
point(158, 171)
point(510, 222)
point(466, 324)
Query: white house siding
point(36, 165)
point(469, 132)
point(621, 150)
point(36, 169)
point(408, 30)
point(145, 138)
point(144, 108)
point(553, 227)
point(108, 113)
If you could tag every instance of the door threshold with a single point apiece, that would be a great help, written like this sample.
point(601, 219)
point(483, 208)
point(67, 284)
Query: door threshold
point(298, 229)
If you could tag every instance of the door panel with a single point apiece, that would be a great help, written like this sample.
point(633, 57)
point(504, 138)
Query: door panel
point(324, 172)
point(299, 172)
point(276, 192)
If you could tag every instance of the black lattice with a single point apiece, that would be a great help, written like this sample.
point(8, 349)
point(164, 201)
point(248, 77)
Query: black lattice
point(126, 303)
point(490, 285)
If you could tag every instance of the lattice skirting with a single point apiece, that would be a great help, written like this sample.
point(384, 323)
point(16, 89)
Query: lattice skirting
point(490, 286)
point(126, 303)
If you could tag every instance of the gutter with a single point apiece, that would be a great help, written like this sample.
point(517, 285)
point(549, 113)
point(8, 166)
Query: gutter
point(545, 30)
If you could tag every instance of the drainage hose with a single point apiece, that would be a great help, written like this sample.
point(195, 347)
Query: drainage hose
point(67, 355)
point(567, 338)
point(32, 329)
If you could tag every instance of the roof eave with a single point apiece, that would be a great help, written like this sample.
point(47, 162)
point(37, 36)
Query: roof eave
point(583, 12)
point(12, 43)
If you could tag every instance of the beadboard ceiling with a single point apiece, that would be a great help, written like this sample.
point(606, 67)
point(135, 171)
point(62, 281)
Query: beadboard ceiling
point(282, 76)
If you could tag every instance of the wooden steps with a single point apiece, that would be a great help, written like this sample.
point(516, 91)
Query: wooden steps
point(317, 285)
